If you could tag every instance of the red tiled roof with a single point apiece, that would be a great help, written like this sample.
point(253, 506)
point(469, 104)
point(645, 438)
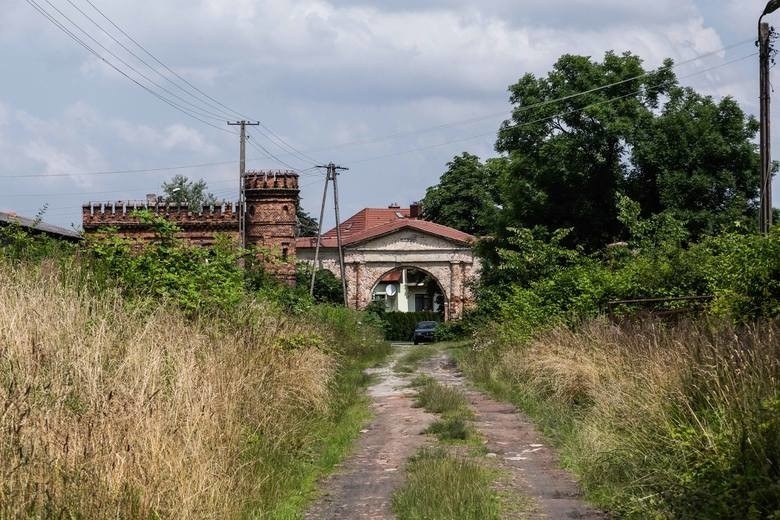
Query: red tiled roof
point(374, 222)
point(366, 219)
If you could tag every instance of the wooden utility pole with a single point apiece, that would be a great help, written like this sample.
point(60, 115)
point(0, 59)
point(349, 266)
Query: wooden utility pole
point(765, 50)
point(319, 235)
point(335, 174)
point(332, 176)
point(241, 209)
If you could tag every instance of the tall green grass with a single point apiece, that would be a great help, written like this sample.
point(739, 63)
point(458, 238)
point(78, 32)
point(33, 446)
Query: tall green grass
point(115, 408)
point(441, 486)
point(659, 421)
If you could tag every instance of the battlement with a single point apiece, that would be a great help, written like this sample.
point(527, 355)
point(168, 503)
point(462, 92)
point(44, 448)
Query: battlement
point(120, 214)
point(271, 179)
point(271, 203)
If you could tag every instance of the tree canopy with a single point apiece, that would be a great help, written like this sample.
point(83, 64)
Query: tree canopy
point(193, 193)
point(571, 148)
point(307, 225)
point(467, 196)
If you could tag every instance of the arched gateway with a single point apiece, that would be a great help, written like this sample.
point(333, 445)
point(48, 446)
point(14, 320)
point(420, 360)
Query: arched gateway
point(380, 241)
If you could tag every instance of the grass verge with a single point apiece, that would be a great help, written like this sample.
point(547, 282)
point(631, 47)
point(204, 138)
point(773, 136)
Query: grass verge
point(657, 420)
point(110, 409)
point(441, 486)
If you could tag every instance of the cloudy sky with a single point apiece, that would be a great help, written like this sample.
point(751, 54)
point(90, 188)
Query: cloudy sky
point(391, 89)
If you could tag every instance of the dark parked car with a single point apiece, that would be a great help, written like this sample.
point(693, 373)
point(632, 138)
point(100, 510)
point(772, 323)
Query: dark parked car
point(424, 332)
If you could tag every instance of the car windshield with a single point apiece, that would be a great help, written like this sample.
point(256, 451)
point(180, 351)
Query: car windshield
point(426, 325)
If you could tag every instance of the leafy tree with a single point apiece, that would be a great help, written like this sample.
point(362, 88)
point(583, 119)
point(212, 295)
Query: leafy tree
point(182, 190)
point(697, 160)
point(467, 196)
point(667, 147)
point(568, 157)
point(307, 225)
point(327, 287)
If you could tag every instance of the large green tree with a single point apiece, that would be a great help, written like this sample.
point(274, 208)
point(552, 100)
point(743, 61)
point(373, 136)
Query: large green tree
point(696, 160)
point(467, 196)
point(184, 191)
point(574, 147)
point(569, 152)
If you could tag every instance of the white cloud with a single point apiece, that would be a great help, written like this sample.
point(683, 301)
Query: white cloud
point(321, 72)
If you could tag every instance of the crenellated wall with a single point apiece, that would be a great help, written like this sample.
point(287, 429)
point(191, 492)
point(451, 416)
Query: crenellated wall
point(198, 228)
point(271, 223)
point(271, 205)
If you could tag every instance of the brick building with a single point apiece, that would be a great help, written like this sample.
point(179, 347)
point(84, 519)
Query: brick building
point(393, 255)
point(271, 209)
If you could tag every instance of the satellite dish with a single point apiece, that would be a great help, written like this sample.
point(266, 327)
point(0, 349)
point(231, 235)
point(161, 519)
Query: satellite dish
point(391, 290)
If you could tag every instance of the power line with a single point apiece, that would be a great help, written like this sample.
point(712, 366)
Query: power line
point(460, 122)
point(202, 112)
point(281, 143)
point(222, 115)
point(263, 149)
point(526, 123)
point(81, 42)
point(140, 171)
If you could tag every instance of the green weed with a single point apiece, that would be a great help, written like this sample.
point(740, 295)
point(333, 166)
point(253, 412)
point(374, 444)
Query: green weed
point(410, 361)
point(438, 398)
point(441, 486)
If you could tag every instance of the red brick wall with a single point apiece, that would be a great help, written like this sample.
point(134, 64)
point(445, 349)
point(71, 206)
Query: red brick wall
point(272, 201)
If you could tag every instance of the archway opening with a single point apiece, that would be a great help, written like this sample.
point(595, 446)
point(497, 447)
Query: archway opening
point(409, 289)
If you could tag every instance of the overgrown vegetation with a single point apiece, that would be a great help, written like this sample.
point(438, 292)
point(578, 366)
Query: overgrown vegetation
point(656, 419)
point(667, 421)
point(164, 381)
point(442, 486)
point(451, 404)
point(642, 190)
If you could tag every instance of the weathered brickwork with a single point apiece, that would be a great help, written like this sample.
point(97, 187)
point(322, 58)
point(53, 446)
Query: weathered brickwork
point(272, 203)
point(453, 265)
point(271, 208)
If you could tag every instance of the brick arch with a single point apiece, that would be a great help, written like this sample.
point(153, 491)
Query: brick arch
point(411, 266)
point(362, 278)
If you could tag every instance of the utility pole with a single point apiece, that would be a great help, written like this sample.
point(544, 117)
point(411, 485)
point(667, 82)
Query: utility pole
point(319, 235)
point(241, 209)
point(765, 34)
point(332, 176)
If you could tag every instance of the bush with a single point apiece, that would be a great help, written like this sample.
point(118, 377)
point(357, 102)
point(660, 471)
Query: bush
point(399, 326)
point(327, 287)
point(453, 330)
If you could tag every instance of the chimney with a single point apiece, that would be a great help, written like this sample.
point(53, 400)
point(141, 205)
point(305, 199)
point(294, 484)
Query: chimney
point(151, 199)
point(415, 210)
point(394, 205)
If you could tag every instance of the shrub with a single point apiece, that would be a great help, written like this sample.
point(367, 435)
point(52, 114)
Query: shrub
point(400, 325)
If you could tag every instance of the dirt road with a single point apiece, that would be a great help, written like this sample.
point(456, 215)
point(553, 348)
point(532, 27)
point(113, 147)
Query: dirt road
point(362, 488)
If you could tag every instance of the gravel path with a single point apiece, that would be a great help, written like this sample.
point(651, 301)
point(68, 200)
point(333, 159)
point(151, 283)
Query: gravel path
point(362, 488)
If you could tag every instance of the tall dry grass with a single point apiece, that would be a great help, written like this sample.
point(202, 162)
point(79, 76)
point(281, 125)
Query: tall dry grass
point(674, 421)
point(111, 411)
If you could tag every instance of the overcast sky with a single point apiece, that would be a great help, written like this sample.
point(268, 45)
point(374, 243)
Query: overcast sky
point(328, 77)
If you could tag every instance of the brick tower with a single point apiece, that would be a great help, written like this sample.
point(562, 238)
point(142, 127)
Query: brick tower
point(271, 218)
